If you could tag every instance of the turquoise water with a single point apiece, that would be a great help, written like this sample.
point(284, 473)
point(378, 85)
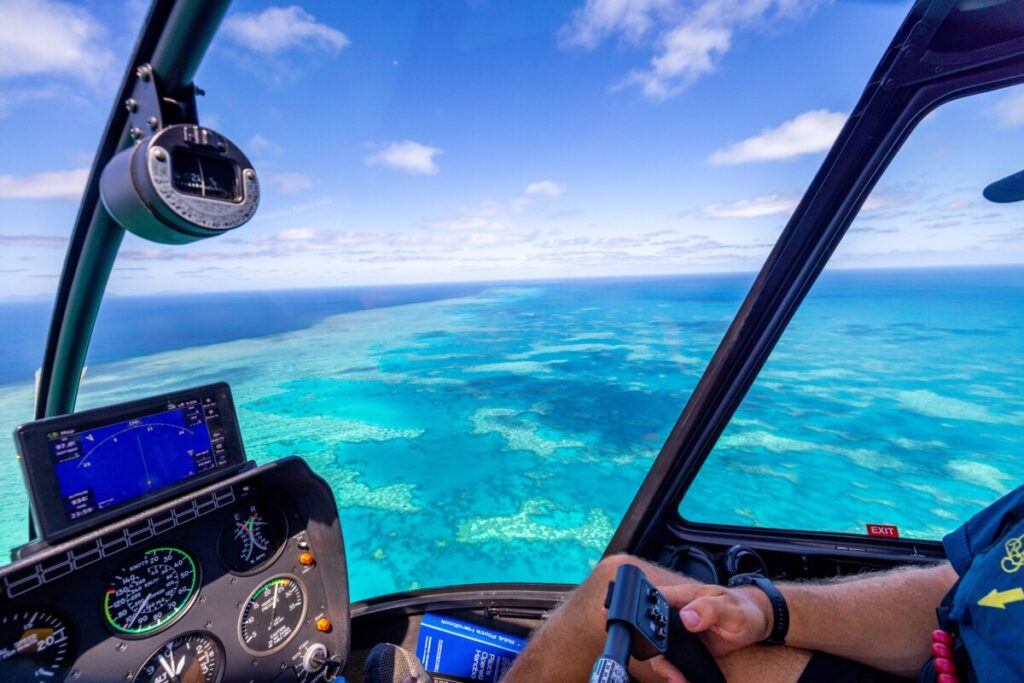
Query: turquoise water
point(500, 435)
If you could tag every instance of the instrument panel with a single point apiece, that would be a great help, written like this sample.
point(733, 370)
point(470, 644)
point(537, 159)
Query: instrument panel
point(243, 580)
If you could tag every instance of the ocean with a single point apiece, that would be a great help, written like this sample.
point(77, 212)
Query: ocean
point(498, 431)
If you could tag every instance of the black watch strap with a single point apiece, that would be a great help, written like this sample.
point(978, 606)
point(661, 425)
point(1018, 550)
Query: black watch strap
point(780, 611)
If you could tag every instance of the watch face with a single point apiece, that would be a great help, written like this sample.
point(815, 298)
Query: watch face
point(780, 611)
point(744, 580)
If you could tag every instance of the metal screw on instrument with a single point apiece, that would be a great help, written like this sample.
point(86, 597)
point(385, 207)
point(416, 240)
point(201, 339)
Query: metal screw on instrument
point(135, 132)
point(144, 72)
point(131, 104)
point(153, 122)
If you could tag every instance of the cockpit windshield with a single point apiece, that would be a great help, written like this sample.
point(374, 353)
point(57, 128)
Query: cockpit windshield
point(497, 245)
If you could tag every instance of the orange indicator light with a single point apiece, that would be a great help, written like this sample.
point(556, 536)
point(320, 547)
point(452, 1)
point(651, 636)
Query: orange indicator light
point(306, 559)
point(323, 624)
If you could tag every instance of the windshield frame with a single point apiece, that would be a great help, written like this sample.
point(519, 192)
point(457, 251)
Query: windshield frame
point(912, 79)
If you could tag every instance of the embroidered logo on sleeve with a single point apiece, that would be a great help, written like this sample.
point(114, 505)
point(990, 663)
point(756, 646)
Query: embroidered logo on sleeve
point(1014, 559)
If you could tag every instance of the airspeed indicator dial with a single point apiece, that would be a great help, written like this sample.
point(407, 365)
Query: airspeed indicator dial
point(151, 591)
point(272, 615)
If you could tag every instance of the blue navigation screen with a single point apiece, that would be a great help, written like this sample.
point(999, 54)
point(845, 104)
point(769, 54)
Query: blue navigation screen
point(106, 465)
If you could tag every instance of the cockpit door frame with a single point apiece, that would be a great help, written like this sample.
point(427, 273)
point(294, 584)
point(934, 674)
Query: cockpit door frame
point(938, 54)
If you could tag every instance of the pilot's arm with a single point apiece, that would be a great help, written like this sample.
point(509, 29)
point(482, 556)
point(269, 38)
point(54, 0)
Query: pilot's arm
point(881, 619)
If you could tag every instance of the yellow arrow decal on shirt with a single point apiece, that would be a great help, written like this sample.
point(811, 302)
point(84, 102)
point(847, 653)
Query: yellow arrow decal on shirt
point(1001, 599)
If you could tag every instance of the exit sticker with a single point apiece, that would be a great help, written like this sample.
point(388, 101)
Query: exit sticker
point(884, 530)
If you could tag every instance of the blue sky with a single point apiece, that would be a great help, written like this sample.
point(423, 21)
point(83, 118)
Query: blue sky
point(402, 141)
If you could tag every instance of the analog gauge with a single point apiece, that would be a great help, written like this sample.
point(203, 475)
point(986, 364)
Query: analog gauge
point(254, 537)
point(34, 646)
point(195, 657)
point(151, 591)
point(272, 615)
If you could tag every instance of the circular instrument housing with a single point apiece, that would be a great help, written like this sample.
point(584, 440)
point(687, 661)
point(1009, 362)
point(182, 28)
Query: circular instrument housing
point(272, 615)
point(182, 184)
point(151, 592)
point(254, 538)
point(195, 657)
point(35, 645)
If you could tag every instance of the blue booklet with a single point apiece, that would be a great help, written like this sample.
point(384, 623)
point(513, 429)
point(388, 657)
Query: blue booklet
point(457, 648)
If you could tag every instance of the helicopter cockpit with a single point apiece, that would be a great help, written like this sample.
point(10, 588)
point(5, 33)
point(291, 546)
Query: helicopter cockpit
point(265, 485)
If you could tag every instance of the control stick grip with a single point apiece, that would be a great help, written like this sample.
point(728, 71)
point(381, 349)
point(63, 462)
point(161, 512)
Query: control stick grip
point(686, 652)
point(641, 623)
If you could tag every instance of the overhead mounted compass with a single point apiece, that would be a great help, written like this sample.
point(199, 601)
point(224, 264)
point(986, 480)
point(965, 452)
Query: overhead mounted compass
point(180, 181)
point(182, 184)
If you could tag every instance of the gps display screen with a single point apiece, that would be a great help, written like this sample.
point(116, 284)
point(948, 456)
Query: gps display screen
point(110, 464)
point(85, 468)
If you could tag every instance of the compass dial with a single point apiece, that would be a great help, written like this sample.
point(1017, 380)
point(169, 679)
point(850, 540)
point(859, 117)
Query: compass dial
point(35, 645)
point(272, 615)
point(151, 591)
point(195, 657)
point(253, 538)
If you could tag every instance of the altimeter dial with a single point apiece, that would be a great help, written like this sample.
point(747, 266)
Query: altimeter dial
point(35, 645)
point(195, 657)
point(254, 537)
point(272, 615)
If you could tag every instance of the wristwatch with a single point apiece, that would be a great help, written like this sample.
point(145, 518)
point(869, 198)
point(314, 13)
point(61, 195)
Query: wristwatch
point(780, 611)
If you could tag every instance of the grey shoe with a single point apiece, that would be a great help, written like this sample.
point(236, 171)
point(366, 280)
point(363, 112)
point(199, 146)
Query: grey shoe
point(389, 663)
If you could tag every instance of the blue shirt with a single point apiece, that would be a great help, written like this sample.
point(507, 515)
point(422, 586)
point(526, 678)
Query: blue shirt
point(988, 603)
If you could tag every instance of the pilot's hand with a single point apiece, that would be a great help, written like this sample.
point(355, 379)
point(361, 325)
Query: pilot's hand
point(727, 619)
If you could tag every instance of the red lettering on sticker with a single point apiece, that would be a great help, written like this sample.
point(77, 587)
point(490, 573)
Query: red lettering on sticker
point(886, 530)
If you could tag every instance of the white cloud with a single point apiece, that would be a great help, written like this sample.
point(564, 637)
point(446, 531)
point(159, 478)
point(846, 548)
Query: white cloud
point(880, 199)
point(12, 99)
point(408, 156)
point(1009, 111)
point(812, 131)
point(278, 28)
point(48, 37)
point(296, 234)
point(767, 205)
point(48, 185)
point(688, 52)
point(33, 241)
point(547, 188)
point(476, 223)
point(289, 183)
point(599, 19)
point(261, 145)
point(688, 38)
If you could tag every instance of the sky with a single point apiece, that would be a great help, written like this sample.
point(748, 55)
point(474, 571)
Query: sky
point(473, 140)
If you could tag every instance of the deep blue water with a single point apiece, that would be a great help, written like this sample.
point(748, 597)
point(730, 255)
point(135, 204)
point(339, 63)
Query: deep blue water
point(164, 323)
